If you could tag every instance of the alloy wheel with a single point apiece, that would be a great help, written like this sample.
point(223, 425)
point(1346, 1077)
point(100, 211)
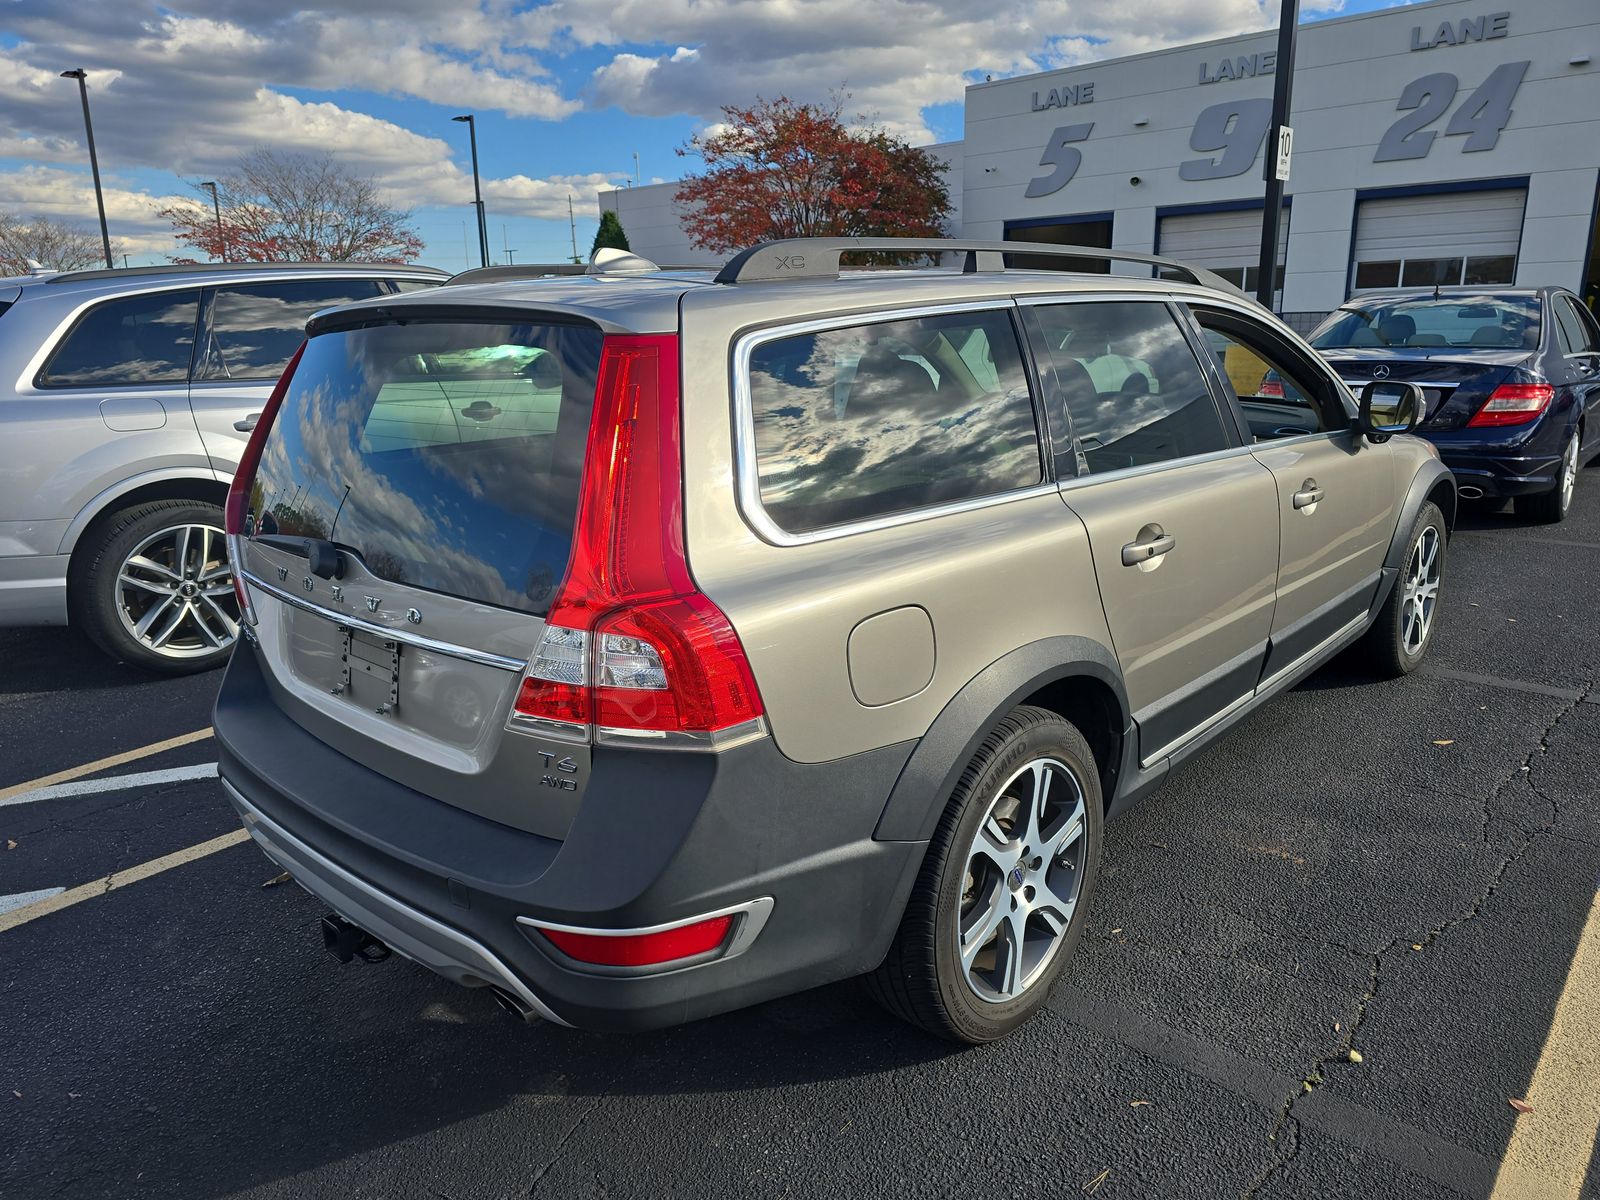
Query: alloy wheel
point(175, 592)
point(1421, 591)
point(1023, 878)
point(1569, 472)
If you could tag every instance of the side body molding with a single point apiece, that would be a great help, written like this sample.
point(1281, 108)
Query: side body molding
point(936, 764)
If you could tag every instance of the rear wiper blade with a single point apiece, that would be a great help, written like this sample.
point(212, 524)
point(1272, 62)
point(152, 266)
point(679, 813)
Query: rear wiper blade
point(323, 559)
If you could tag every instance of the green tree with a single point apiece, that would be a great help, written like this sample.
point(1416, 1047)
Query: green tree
point(610, 234)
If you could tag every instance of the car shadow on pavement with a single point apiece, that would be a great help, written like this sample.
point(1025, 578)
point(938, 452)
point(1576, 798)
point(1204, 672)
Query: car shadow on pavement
point(60, 660)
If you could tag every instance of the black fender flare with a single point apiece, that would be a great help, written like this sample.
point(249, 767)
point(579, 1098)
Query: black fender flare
point(1423, 484)
point(930, 774)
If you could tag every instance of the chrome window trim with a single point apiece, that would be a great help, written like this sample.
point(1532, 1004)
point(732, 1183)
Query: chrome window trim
point(390, 632)
point(106, 291)
point(1171, 464)
point(747, 474)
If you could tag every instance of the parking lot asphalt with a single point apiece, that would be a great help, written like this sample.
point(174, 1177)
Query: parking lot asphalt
point(1402, 870)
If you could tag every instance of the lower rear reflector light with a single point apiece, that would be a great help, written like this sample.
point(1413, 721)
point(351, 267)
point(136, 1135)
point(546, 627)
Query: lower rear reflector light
point(641, 949)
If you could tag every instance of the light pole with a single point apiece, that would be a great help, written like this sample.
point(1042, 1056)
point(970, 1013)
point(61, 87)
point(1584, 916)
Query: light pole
point(94, 162)
point(477, 189)
point(216, 207)
point(1272, 209)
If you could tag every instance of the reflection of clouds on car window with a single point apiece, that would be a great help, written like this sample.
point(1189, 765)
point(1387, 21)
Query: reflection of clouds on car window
point(1133, 388)
point(486, 514)
point(874, 419)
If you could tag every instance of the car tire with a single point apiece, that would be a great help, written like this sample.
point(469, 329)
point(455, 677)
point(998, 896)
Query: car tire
point(987, 863)
point(1396, 645)
point(1552, 507)
point(150, 585)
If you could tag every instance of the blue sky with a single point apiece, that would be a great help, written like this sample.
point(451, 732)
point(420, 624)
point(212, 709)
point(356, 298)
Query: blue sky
point(565, 93)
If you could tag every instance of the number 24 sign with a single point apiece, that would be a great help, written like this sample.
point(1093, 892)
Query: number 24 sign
point(1230, 134)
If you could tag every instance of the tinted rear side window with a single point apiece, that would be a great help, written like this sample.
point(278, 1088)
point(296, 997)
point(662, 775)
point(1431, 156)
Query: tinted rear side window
point(870, 420)
point(1133, 387)
point(445, 456)
point(255, 328)
point(122, 343)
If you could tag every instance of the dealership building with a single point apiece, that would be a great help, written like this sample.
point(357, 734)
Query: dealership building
point(1442, 143)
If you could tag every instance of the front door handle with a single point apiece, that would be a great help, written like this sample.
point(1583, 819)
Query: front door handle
point(248, 424)
point(1142, 551)
point(1309, 495)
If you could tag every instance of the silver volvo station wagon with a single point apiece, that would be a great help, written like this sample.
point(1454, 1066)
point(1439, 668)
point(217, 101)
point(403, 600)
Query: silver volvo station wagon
point(126, 398)
point(641, 644)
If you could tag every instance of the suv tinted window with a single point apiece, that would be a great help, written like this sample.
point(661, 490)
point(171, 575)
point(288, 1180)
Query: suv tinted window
point(256, 327)
point(126, 342)
point(869, 420)
point(1133, 387)
point(445, 456)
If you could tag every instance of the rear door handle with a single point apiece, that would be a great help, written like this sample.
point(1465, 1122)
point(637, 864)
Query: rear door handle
point(248, 424)
point(1308, 494)
point(1135, 553)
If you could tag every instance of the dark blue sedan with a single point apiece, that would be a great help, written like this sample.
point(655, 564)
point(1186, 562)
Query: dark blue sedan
point(1511, 378)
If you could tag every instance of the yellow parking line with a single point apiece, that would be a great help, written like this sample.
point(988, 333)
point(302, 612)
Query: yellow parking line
point(1550, 1147)
point(102, 764)
point(117, 879)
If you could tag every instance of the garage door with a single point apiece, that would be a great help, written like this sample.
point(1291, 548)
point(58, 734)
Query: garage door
point(1420, 241)
point(1228, 243)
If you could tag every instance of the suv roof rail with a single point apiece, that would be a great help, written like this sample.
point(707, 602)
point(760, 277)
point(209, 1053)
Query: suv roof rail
point(189, 268)
point(818, 258)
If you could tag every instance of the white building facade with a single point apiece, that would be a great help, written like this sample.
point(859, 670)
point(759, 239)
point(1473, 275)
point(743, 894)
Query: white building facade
point(1449, 142)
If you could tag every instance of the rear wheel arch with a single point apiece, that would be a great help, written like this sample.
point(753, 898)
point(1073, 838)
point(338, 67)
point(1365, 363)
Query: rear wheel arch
point(105, 506)
point(1074, 677)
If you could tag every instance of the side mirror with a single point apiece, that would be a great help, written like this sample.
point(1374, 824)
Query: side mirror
point(1388, 408)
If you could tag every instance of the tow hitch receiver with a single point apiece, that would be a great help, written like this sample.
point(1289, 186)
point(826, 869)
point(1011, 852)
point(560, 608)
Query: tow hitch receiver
point(346, 941)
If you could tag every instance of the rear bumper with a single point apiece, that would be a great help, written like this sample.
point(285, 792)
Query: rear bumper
point(661, 837)
point(1513, 461)
point(33, 589)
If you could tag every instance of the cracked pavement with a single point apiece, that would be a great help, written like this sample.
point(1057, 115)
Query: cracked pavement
point(1397, 869)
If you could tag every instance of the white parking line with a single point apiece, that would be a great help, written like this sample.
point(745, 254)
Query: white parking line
point(113, 783)
point(1548, 1155)
point(118, 879)
point(104, 764)
point(23, 899)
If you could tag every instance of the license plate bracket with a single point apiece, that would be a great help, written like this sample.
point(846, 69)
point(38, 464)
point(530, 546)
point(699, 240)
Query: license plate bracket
point(363, 656)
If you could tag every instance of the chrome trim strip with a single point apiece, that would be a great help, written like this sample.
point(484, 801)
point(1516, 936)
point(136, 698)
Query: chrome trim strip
point(1170, 464)
point(747, 475)
point(1260, 692)
point(1442, 385)
point(561, 731)
point(752, 916)
point(665, 739)
point(264, 831)
point(390, 632)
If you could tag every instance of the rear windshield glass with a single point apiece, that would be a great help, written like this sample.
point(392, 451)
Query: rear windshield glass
point(1487, 322)
point(444, 456)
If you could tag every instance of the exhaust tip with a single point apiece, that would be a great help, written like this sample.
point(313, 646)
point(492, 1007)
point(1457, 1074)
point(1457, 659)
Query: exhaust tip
point(1468, 492)
point(513, 1004)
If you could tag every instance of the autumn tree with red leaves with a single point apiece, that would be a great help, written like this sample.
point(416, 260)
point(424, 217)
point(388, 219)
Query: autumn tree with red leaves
point(295, 208)
point(779, 169)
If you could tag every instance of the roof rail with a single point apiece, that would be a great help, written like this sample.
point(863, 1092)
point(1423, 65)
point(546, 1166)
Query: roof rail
point(818, 258)
point(190, 268)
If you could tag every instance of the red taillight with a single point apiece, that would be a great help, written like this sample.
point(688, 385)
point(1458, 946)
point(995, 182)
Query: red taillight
point(1514, 404)
point(630, 643)
point(244, 477)
point(1272, 388)
point(641, 949)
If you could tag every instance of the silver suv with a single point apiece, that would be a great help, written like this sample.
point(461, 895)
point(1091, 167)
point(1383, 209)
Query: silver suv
point(126, 398)
point(647, 644)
